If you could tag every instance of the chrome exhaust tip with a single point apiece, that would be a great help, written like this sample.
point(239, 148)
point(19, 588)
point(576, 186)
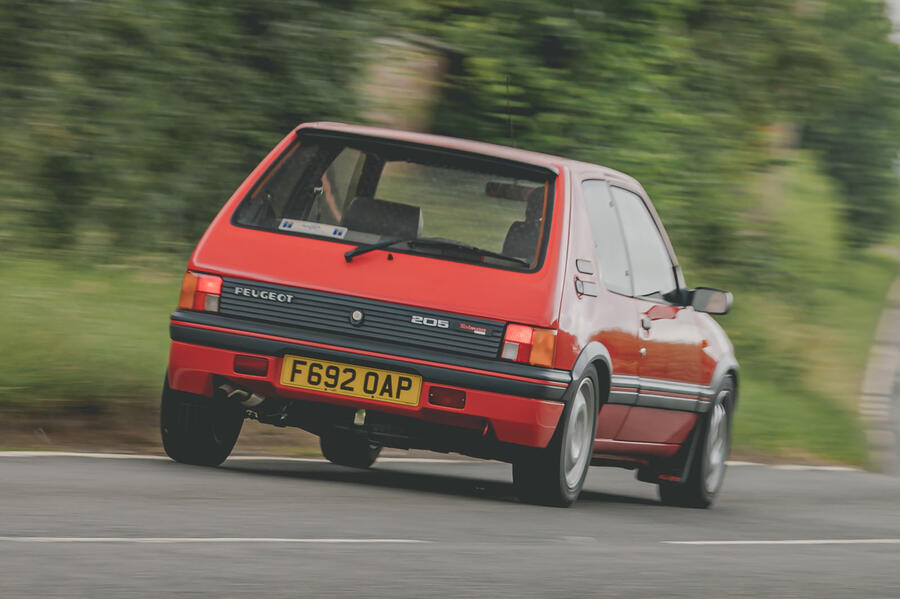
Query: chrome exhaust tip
point(245, 398)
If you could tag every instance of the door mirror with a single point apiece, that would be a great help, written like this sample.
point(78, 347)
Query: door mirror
point(711, 301)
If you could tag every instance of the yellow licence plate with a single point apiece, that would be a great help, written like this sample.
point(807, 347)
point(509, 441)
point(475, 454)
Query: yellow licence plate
point(351, 380)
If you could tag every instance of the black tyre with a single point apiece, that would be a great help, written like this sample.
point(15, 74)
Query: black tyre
point(707, 472)
point(347, 449)
point(555, 475)
point(196, 429)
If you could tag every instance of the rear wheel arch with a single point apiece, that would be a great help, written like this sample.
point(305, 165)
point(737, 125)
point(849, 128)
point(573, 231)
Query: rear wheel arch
point(595, 356)
point(603, 381)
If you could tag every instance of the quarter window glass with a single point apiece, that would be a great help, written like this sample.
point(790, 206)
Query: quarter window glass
point(651, 269)
point(608, 240)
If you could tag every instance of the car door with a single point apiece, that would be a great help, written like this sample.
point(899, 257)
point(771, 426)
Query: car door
point(612, 314)
point(670, 343)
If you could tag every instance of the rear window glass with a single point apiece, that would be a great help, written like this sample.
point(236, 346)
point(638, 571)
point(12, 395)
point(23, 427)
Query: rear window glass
point(361, 191)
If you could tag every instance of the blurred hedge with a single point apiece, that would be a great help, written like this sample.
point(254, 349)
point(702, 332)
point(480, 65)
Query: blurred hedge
point(124, 125)
point(689, 96)
point(132, 122)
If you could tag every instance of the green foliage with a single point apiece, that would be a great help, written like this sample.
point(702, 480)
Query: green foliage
point(683, 95)
point(127, 125)
point(802, 325)
point(83, 335)
point(801, 364)
point(857, 117)
point(135, 122)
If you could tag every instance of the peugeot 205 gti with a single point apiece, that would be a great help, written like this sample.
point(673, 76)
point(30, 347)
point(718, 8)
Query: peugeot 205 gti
point(381, 288)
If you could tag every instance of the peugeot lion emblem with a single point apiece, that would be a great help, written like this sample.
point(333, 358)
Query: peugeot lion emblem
point(357, 317)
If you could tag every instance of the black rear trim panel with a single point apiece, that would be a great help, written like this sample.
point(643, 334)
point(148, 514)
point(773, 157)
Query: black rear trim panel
point(432, 374)
point(395, 349)
point(308, 311)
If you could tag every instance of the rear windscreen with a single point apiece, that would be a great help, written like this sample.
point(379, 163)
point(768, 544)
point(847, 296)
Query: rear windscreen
point(362, 191)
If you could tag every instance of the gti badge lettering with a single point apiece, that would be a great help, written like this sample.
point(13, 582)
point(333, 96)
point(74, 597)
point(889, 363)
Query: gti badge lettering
point(272, 296)
point(430, 322)
point(468, 327)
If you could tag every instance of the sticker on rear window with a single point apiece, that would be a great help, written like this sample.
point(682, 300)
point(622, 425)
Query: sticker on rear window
point(305, 226)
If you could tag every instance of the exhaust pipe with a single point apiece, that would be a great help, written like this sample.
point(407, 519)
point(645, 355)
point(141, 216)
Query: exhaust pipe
point(248, 400)
point(273, 412)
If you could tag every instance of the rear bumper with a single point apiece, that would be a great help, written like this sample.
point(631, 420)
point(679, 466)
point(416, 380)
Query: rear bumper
point(517, 409)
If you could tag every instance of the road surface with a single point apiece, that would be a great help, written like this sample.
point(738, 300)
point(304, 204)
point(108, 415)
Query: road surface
point(133, 527)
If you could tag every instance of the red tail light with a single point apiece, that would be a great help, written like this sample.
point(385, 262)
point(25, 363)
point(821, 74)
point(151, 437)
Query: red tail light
point(529, 344)
point(200, 292)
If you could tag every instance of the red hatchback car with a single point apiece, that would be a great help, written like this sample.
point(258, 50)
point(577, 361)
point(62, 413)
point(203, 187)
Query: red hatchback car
point(385, 288)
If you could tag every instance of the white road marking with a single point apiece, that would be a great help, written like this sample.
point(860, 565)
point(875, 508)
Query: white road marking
point(819, 468)
point(173, 540)
point(78, 454)
point(398, 460)
point(805, 467)
point(792, 542)
point(234, 458)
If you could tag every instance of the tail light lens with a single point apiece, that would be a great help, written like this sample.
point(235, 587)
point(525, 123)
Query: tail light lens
point(254, 365)
point(200, 292)
point(444, 396)
point(529, 344)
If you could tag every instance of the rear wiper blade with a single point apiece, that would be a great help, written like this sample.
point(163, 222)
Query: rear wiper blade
point(437, 242)
point(368, 247)
point(430, 242)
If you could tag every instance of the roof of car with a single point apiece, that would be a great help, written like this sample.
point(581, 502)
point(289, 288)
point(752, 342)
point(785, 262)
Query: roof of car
point(466, 145)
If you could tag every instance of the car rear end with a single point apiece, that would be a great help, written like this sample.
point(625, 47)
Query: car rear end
point(443, 338)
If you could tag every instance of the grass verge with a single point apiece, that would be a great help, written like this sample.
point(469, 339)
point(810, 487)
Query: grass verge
point(802, 365)
point(84, 347)
point(83, 335)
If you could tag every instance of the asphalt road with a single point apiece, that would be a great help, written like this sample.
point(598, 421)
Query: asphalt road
point(103, 527)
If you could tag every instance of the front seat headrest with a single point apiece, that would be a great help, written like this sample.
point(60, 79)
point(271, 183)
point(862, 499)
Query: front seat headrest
point(389, 219)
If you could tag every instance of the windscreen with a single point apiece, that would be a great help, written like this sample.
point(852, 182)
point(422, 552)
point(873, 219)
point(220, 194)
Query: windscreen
point(432, 201)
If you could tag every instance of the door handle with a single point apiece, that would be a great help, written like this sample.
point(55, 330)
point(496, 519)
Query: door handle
point(646, 323)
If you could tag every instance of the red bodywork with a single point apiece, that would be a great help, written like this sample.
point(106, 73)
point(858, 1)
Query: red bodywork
point(681, 347)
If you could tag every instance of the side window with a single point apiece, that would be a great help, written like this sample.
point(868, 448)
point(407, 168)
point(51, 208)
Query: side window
point(651, 268)
point(608, 240)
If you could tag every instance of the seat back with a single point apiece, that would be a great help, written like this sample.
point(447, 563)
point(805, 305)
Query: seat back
point(522, 238)
point(389, 219)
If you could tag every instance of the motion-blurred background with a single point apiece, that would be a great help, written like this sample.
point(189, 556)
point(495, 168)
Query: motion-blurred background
point(766, 131)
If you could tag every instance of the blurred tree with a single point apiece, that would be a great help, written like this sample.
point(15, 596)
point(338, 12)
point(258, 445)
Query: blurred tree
point(133, 122)
point(139, 120)
point(682, 94)
point(856, 123)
